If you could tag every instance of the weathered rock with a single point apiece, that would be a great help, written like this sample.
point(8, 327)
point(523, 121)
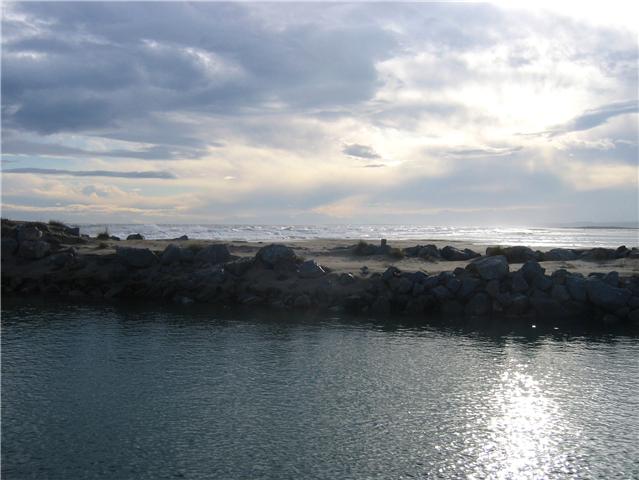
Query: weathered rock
point(381, 306)
point(390, 273)
point(441, 293)
point(455, 254)
point(543, 282)
point(403, 286)
point(519, 283)
point(599, 254)
point(490, 268)
point(29, 233)
point(468, 287)
point(171, 254)
point(9, 246)
point(61, 259)
point(560, 293)
point(560, 255)
point(181, 239)
point(136, 257)
point(479, 304)
point(492, 288)
point(516, 254)
point(213, 254)
point(275, 254)
point(559, 276)
point(577, 288)
point(310, 269)
point(453, 284)
point(302, 301)
point(607, 296)
point(240, 266)
point(33, 249)
point(612, 279)
point(346, 279)
point(135, 236)
point(532, 270)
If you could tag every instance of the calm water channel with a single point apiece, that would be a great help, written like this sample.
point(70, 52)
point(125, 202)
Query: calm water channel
point(117, 393)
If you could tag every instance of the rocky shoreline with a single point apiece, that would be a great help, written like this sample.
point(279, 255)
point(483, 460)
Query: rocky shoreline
point(55, 259)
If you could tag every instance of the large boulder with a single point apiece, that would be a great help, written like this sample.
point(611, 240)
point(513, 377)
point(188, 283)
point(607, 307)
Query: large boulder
point(213, 254)
point(560, 255)
point(29, 233)
point(516, 254)
point(490, 268)
point(171, 254)
point(33, 249)
point(531, 270)
point(576, 286)
point(606, 296)
point(275, 254)
point(9, 246)
point(479, 304)
point(136, 257)
point(310, 269)
point(455, 254)
point(135, 236)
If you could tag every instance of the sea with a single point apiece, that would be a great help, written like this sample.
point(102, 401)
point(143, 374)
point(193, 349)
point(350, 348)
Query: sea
point(114, 391)
point(587, 237)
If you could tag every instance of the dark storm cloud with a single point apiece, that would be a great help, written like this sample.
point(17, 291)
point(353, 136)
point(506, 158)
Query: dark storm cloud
point(160, 174)
point(360, 151)
point(86, 66)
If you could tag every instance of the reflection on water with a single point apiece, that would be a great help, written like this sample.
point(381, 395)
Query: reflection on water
point(109, 392)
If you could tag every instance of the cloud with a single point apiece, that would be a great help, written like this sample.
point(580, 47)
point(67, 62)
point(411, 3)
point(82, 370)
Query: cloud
point(160, 174)
point(360, 151)
point(595, 117)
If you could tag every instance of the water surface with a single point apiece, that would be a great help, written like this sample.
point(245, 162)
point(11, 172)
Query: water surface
point(109, 392)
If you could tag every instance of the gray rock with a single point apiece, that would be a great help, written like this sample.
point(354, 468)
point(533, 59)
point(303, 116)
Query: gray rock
point(455, 254)
point(274, 255)
point(518, 304)
point(404, 286)
point(492, 288)
point(390, 273)
point(599, 253)
point(136, 257)
point(560, 255)
point(479, 304)
point(9, 246)
point(577, 288)
point(181, 239)
point(346, 279)
point(519, 283)
point(560, 293)
point(607, 296)
point(418, 289)
point(543, 282)
point(490, 268)
point(29, 233)
point(302, 301)
point(381, 306)
point(516, 254)
point(240, 266)
point(135, 236)
point(559, 276)
point(61, 259)
point(468, 287)
point(612, 279)
point(310, 269)
point(213, 254)
point(453, 284)
point(531, 270)
point(33, 249)
point(171, 254)
point(441, 293)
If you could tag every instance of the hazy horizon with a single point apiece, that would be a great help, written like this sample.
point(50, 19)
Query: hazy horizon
point(306, 113)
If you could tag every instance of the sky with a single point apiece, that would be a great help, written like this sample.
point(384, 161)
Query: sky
point(294, 113)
